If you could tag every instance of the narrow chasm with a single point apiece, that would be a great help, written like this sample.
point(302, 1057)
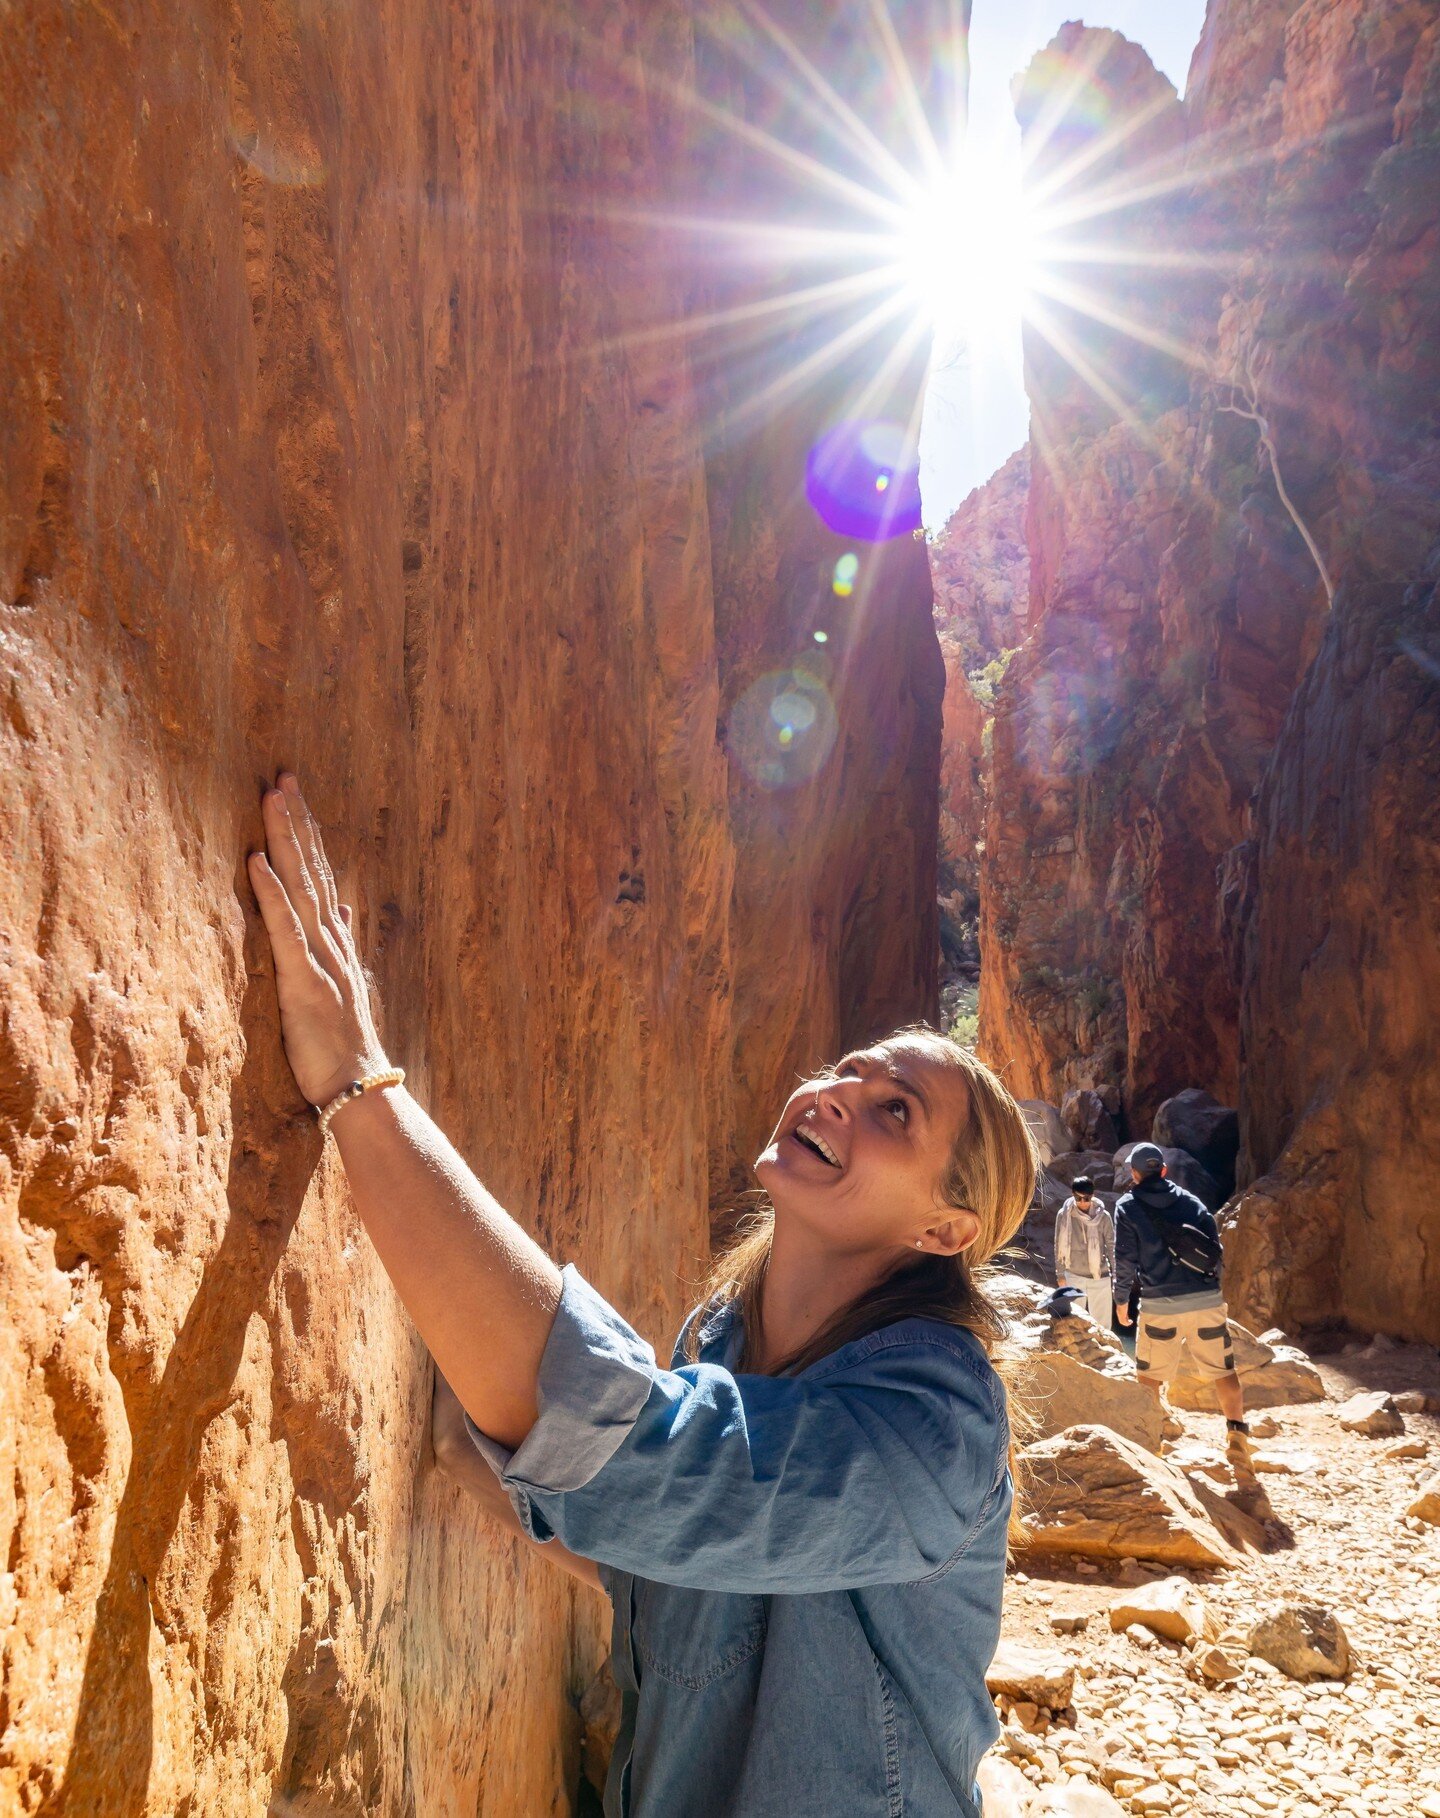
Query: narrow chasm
point(509, 418)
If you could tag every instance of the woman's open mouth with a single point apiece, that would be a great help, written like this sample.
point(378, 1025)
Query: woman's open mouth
point(817, 1144)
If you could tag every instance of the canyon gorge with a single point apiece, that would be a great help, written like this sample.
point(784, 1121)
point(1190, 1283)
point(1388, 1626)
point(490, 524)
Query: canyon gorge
point(1208, 768)
point(347, 426)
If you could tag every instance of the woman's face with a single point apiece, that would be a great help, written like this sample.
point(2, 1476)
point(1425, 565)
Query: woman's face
point(858, 1159)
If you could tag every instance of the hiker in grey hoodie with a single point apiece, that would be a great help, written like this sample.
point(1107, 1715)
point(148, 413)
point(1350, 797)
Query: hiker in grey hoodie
point(1085, 1249)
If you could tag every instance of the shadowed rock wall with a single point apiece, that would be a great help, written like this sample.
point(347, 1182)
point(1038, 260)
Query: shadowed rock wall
point(1211, 855)
point(330, 437)
point(841, 862)
point(980, 566)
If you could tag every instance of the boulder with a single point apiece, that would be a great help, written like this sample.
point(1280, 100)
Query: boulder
point(1304, 1640)
point(1047, 1127)
point(1416, 1401)
point(1426, 1506)
point(1272, 1376)
point(1056, 1392)
point(1089, 1123)
point(1094, 1162)
point(1373, 1413)
point(1092, 1494)
point(1067, 1371)
point(1202, 1127)
point(1040, 1676)
point(1171, 1607)
point(1004, 1790)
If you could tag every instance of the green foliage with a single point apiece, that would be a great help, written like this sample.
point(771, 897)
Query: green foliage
point(965, 1030)
point(985, 681)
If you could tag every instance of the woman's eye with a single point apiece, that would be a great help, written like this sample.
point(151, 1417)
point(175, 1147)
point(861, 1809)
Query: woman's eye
point(897, 1107)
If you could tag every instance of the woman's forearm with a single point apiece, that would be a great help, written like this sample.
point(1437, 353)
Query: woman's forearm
point(482, 1293)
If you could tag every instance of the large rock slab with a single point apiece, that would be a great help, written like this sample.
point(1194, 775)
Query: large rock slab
point(1092, 1494)
point(1088, 1120)
point(1056, 1392)
point(1096, 1163)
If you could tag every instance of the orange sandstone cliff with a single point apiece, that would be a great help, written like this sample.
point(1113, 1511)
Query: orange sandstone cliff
point(337, 433)
point(1211, 847)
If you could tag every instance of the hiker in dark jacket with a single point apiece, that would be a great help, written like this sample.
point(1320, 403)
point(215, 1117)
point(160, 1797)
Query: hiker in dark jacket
point(1167, 1246)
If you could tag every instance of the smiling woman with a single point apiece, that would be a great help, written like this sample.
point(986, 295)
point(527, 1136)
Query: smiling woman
point(821, 1474)
point(850, 1173)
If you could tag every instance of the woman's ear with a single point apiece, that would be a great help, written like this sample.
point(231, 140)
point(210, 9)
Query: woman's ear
point(952, 1234)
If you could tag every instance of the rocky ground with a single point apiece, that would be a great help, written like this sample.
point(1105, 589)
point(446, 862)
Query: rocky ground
point(1145, 1731)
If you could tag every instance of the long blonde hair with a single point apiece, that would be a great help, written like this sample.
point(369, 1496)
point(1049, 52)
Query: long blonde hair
point(991, 1171)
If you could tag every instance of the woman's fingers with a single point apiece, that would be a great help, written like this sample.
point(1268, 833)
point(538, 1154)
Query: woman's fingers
point(287, 934)
point(287, 860)
point(312, 847)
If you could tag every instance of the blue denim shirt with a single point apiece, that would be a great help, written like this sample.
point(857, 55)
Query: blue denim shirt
point(806, 1571)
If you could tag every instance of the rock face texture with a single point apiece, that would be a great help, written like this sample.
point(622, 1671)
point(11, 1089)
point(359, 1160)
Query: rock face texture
point(334, 435)
point(1212, 856)
point(980, 568)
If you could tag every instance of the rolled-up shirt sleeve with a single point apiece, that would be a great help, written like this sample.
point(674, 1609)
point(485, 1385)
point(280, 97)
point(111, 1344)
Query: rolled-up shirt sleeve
point(876, 1466)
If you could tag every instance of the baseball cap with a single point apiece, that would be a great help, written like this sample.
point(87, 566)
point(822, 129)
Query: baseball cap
point(1147, 1158)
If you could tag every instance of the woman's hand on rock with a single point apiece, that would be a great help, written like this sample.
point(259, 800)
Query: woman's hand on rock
point(325, 1018)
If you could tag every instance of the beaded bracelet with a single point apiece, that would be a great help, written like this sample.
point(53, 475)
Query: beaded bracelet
point(372, 1082)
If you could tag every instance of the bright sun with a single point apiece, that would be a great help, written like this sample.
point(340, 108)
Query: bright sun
point(966, 254)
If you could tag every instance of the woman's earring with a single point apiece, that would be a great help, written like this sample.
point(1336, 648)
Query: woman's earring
point(918, 1244)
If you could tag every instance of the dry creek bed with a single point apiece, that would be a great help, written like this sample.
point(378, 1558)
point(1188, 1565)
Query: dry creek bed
point(1263, 1745)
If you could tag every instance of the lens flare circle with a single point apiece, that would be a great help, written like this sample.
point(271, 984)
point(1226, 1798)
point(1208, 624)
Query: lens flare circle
point(782, 728)
point(862, 479)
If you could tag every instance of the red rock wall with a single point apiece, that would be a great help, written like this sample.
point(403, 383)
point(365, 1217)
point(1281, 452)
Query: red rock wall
point(328, 440)
point(1199, 796)
point(980, 567)
point(1338, 948)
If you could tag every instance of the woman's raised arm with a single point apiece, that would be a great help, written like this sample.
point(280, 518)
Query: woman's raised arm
point(482, 1293)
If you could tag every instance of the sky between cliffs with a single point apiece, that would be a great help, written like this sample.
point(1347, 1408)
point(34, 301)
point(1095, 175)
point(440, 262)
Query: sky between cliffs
point(976, 414)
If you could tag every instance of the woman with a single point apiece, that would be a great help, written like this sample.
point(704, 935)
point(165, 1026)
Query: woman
point(801, 1525)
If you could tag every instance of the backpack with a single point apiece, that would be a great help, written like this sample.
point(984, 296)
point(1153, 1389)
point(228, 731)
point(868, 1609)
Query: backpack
point(1188, 1245)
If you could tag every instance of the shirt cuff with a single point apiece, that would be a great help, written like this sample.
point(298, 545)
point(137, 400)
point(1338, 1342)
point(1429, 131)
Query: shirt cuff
point(596, 1374)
